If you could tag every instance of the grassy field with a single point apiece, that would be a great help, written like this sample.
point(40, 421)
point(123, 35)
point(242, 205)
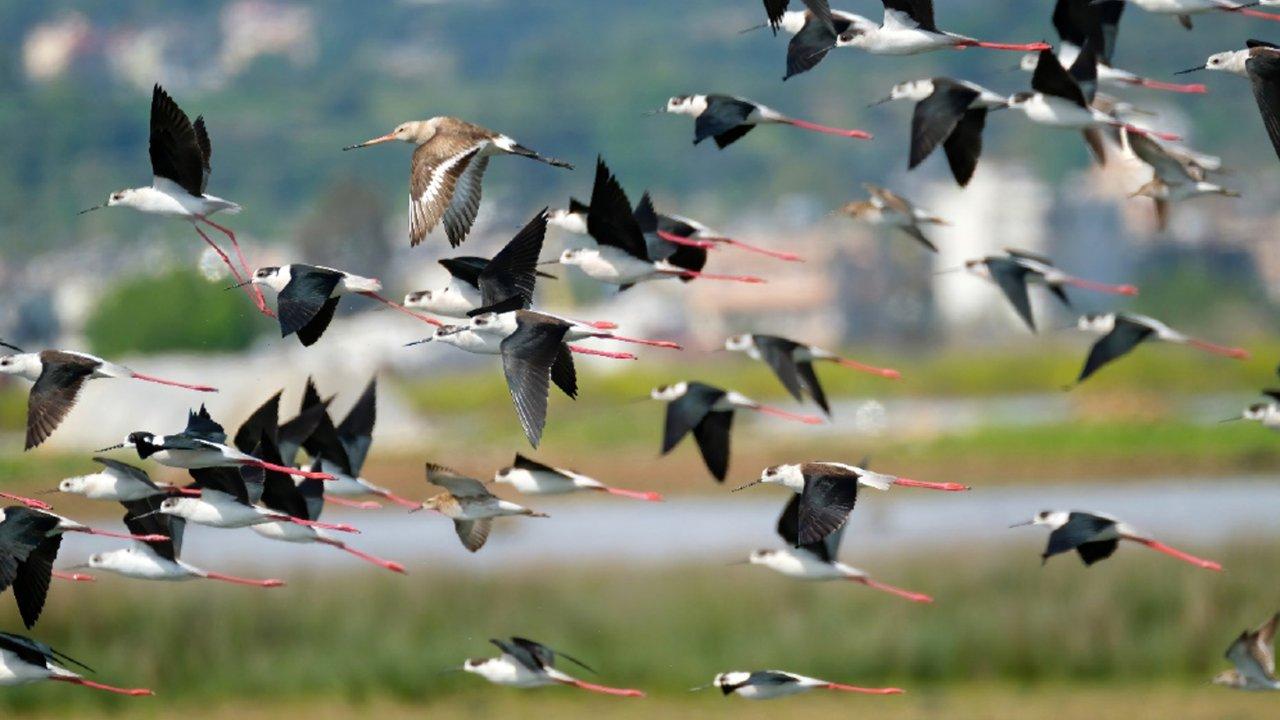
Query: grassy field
point(1002, 629)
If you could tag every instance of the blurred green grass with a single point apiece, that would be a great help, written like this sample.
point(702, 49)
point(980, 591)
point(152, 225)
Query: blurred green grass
point(1000, 618)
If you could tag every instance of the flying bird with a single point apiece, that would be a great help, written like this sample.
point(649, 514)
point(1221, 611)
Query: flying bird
point(180, 153)
point(792, 363)
point(1184, 9)
point(1096, 536)
point(1254, 657)
point(471, 507)
point(726, 118)
point(1176, 176)
point(885, 208)
point(707, 412)
point(817, 561)
point(909, 28)
point(777, 11)
point(534, 478)
point(528, 664)
point(1265, 413)
point(814, 35)
point(771, 684)
point(1260, 62)
point(116, 482)
point(950, 112)
point(1122, 332)
point(58, 376)
point(829, 490)
point(447, 171)
point(24, 661)
point(1014, 271)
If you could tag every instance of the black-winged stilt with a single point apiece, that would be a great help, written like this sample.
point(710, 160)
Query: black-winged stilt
point(1096, 536)
point(1016, 269)
point(909, 28)
point(1260, 62)
point(531, 477)
point(528, 664)
point(1122, 332)
point(792, 363)
point(771, 684)
point(24, 661)
point(726, 118)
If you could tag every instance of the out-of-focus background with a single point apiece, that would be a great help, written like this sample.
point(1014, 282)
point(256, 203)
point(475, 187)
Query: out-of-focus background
point(642, 591)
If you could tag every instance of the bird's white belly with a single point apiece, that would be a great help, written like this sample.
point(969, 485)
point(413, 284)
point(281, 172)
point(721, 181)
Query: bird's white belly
point(1055, 112)
point(515, 676)
point(769, 692)
point(1179, 7)
point(802, 567)
point(14, 671)
point(286, 532)
point(456, 300)
point(542, 484)
point(142, 567)
point(906, 41)
point(357, 284)
point(191, 459)
point(230, 515)
point(617, 267)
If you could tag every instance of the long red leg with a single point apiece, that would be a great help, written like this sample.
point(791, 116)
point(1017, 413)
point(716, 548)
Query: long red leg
point(1128, 290)
point(400, 308)
point(912, 596)
point(1195, 88)
point(133, 692)
point(1258, 14)
point(882, 372)
point(863, 690)
point(789, 257)
point(1016, 47)
point(1231, 352)
point(254, 293)
point(358, 504)
point(248, 271)
point(592, 687)
point(600, 324)
point(121, 536)
point(752, 279)
point(638, 341)
point(308, 474)
point(339, 527)
point(678, 240)
point(601, 353)
point(387, 564)
point(778, 412)
point(74, 577)
point(815, 127)
point(947, 486)
point(160, 381)
point(633, 494)
point(1174, 552)
point(269, 583)
point(29, 502)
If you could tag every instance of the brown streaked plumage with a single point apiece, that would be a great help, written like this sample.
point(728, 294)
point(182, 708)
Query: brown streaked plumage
point(1254, 657)
point(886, 207)
point(469, 504)
point(447, 171)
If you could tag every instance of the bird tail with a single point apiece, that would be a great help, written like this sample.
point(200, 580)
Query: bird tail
point(518, 149)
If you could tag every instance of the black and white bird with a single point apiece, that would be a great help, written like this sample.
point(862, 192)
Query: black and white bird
point(1098, 23)
point(200, 445)
point(1176, 175)
point(1254, 656)
point(1184, 9)
point(1266, 413)
point(792, 363)
point(1096, 536)
point(445, 176)
point(624, 255)
point(24, 661)
point(771, 684)
point(1122, 332)
point(909, 28)
point(726, 118)
point(528, 664)
point(477, 285)
point(1014, 271)
point(180, 153)
point(116, 482)
point(813, 35)
point(1260, 62)
point(950, 112)
point(885, 208)
point(470, 505)
point(707, 412)
point(531, 477)
point(307, 297)
point(159, 559)
point(776, 10)
point(58, 376)
point(817, 561)
point(829, 490)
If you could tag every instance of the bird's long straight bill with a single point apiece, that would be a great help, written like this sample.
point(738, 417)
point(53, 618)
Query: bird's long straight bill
point(778, 412)
point(946, 486)
point(751, 484)
point(1176, 553)
point(29, 502)
point(91, 209)
point(375, 141)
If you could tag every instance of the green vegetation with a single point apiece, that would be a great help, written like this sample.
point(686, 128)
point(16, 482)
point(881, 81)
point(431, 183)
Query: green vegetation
point(174, 312)
point(1000, 619)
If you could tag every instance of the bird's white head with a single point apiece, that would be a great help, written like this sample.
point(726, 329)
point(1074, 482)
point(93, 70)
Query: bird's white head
point(122, 197)
point(786, 475)
point(421, 298)
point(1028, 62)
point(669, 392)
point(1049, 518)
point(855, 36)
point(693, 105)
point(1097, 322)
point(1232, 61)
point(740, 343)
point(111, 560)
point(1020, 99)
point(79, 484)
point(273, 277)
point(182, 507)
point(1257, 411)
point(27, 365)
point(977, 266)
point(577, 256)
point(730, 679)
point(493, 323)
point(484, 667)
point(914, 90)
point(767, 558)
point(568, 219)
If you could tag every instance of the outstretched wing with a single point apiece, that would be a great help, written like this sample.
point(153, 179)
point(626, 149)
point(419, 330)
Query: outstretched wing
point(1264, 73)
point(779, 354)
point(54, 394)
point(1051, 78)
point(31, 585)
point(610, 220)
point(307, 293)
point(724, 115)
point(936, 117)
point(457, 484)
point(1011, 278)
point(178, 153)
point(1122, 339)
point(513, 271)
point(528, 355)
point(356, 429)
point(829, 495)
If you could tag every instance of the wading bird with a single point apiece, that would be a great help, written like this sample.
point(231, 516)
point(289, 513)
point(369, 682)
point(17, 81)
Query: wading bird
point(528, 664)
point(817, 561)
point(1184, 9)
point(1096, 536)
point(447, 171)
point(58, 376)
point(726, 118)
point(885, 208)
point(1016, 269)
point(471, 507)
point(534, 478)
point(24, 661)
point(180, 154)
point(771, 684)
point(792, 363)
point(1176, 175)
point(707, 412)
point(1254, 657)
point(909, 28)
point(1260, 62)
point(1122, 332)
point(116, 482)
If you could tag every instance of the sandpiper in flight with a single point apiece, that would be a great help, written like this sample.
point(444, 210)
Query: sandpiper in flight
point(528, 664)
point(1254, 657)
point(471, 507)
point(1096, 536)
point(447, 171)
point(770, 684)
point(887, 208)
point(792, 363)
point(1176, 175)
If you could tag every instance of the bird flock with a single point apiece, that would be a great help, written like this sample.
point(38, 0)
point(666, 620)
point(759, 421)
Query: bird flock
point(258, 477)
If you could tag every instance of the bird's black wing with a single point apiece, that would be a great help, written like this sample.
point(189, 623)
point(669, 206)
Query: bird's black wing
point(809, 46)
point(779, 354)
point(1051, 78)
point(226, 480)
point(1092, 21)
point(712, 435)
point(1080, 528)
point(325, 443)
point(201, 425)
point(524, 463)
point(563, 373)
point(1109, 12)
point(546, 655)
point(296, 431)
point(1092, 552)
point(770, 678)
point(143, 517)
point(723, 119)
point(775, 9)
point(1085, 70)
point(521, 654)
point(175, 147)
point(54, 393)
point(513, 271)
point(1011, 278)
point(356, 429)
point(1260, 44)
point(135, 473)
point(1264, 73)
point(964, 146)
point(206, 151)
point(21, 533)
point(825, 503)
point(278, 489)
point(306, 299)
point(35, 652)
point(610, 221)
point(528, 355)
point(685, 412)
point(921, 11)
point(263, 421)
point(936, 117)
point(788, 527)
point(466, 268)
point(1123, 338)
point(809, 378)
point(31, 584)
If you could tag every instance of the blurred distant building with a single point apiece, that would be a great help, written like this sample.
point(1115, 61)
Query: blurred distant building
point(252, 28)
point(50, 48)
